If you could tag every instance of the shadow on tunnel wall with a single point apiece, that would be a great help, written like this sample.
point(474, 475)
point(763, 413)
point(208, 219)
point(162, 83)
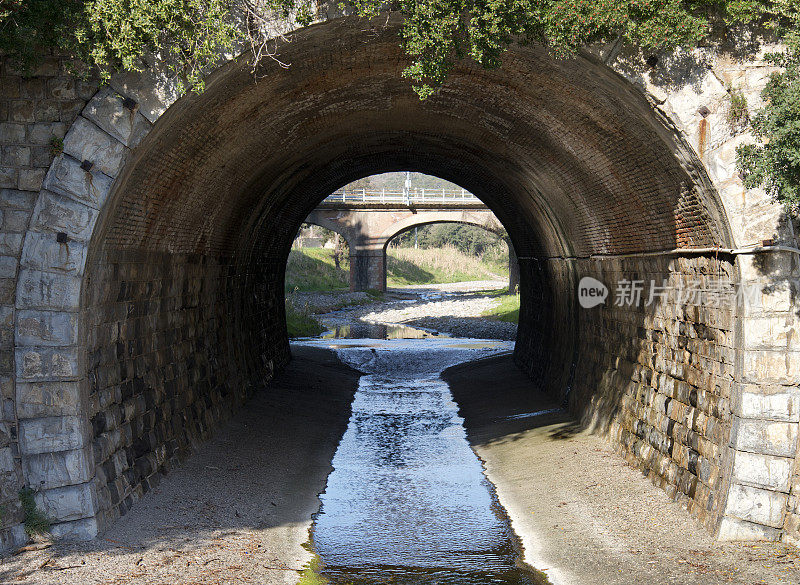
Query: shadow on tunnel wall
point(262, 470)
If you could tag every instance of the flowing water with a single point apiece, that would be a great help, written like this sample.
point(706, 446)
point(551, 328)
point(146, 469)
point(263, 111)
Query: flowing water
point(408, 502)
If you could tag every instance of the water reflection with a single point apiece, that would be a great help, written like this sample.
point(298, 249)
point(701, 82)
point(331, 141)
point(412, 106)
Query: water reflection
point(407, 501)
point(364, 330)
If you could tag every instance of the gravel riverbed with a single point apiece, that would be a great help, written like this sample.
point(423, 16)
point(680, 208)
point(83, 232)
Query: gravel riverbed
point(455, 309)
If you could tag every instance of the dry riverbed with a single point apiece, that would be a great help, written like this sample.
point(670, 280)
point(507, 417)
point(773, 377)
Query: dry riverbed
point(586, 517)
point(237, 511)
point(455, 309)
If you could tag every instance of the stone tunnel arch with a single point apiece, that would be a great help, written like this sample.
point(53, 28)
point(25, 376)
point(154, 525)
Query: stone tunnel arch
point(149, 299)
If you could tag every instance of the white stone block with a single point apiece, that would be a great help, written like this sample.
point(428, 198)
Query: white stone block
point(43, 252)
point(107, 111)
point(85, 529)
point(46, 363)
point(763, 471)
point(43, 399)
point(757, 505)
point(44, 435)
point(68, 503)
point(87, 142)
point(50, 470)
point(68, 178)
point(771, 366)
point(46, 328)
point(771, 332)
point(56, 213)
point(773, 403)
point(154, 89)
point(48, 291)
point(734, 529)
point(765, 437)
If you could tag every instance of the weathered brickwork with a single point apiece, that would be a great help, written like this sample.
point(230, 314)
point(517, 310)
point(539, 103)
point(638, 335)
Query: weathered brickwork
point(659, 378)
point(141, 270)
point(163, 365)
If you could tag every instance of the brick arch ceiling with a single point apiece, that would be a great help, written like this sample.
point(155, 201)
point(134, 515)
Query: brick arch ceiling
point(570, 157)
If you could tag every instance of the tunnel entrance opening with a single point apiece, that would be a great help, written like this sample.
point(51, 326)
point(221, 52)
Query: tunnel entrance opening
point(449, 277)
point(366, 215)
point(164, 312)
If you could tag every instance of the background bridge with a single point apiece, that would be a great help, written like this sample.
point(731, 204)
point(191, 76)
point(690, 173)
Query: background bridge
point(415, 196)
point(369, 220)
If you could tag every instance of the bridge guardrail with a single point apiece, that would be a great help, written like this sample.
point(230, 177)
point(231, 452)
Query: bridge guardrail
point(403, 197)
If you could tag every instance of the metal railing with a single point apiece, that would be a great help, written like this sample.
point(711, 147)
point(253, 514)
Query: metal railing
point(403, 197)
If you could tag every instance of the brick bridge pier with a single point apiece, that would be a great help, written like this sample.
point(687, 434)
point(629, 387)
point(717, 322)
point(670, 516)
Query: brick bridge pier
point(369, 227)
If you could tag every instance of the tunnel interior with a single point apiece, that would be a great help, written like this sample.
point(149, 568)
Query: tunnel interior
point(182, 300)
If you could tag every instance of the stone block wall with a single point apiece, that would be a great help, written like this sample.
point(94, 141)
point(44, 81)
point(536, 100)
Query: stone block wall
point(674, 384)
point(658, 379)
point(35, 113)
point(164, 366)
point(762, 502)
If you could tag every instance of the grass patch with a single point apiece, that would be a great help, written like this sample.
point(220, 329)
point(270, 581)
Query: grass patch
point(311, 573)
point(36, 521)
point(312, 269)
point(301, 323)
point(506, 310)
point(406, 266)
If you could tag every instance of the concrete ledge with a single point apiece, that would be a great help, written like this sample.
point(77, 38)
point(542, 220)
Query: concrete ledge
point(84, 529)
point(72, 502)
point(757, 505)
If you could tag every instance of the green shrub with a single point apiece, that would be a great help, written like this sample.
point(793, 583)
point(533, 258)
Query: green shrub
point(36, 521)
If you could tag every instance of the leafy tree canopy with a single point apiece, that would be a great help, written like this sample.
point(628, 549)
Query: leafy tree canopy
point(774, 162)
point(116, 34)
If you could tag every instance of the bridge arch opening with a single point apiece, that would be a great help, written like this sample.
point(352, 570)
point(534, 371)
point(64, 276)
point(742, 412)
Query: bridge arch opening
point(173, 296)
point(483, 222)
point(372, 211)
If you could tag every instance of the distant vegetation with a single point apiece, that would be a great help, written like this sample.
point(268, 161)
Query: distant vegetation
point(507, 309)
point(300, 322)
point(407, 266)
point(311, 269)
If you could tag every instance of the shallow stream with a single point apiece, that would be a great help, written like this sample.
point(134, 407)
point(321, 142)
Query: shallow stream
point(408, 501)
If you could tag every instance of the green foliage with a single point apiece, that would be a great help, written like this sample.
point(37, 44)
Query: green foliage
point(56, 145)
point(774, 163)
point(300, 322)
point(28, 26)
point(36, 521)
point(507, 309)
point(438, 32)
point(738, 115)
point(468, 239)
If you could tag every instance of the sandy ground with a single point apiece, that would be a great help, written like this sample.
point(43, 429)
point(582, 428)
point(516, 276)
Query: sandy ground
point(584, 516)
point(238, 511)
